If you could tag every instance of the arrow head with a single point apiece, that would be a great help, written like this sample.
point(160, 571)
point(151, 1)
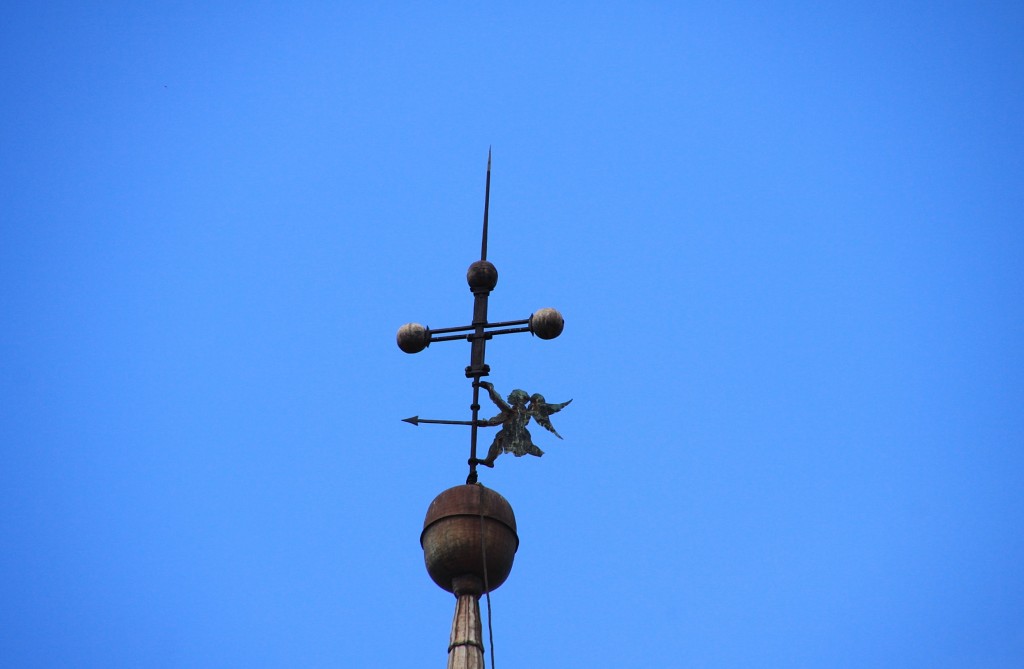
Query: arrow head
point(415, 420)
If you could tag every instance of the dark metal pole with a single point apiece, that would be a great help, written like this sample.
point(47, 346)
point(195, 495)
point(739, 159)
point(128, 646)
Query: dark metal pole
point(487, 202)
point(478, 344)
point(472, 437)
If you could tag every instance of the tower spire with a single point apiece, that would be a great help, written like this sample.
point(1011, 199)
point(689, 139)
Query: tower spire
point(466, 646)
point(469, 536)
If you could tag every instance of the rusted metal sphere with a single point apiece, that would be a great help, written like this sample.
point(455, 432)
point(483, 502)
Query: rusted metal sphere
point(546, 323)
point(482, 276)
point(455, 539)
point(413, 337)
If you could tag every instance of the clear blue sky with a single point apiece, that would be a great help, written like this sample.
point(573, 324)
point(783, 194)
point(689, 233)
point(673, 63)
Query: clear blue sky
point(787, 239)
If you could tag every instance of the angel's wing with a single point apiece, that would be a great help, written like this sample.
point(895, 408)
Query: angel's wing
point(540, 410)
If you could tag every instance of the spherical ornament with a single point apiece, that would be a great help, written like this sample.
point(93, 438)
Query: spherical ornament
point(413, 337)
point(546, 323)
point(482, 276)
point(462, 524)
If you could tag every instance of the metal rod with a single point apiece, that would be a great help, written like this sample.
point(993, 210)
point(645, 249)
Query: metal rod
point(472, 435)
point(487, 206)
point(477, 368)
point(491, 333)
point(464, 328)
point(461, 328)
point(416, 420)
point(451, 338)
point(474, 336)
point(522, 321)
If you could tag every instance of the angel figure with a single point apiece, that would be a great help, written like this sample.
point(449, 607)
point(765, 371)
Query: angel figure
point(515, 414)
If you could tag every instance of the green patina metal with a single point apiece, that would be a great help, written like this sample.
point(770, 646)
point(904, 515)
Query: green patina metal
point(515, 415)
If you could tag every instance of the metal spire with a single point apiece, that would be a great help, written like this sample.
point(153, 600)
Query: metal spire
point(487, 206)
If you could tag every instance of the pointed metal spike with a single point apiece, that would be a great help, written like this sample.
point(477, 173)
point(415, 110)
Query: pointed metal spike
point(415, 420)
point(487, 205)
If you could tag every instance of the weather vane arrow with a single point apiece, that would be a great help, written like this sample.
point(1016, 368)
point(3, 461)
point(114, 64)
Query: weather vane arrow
point(416, 420)
point(515, 413)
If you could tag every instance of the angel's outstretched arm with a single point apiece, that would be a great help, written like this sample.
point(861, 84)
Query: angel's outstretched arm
point(495, 397)
point(496, 420)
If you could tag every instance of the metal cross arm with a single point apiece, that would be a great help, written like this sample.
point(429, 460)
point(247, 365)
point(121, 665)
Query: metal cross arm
point(544, 323)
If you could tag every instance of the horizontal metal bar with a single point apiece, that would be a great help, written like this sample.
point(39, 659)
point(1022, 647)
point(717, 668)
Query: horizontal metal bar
point(416, 420)
point(450, 337)
point(466, 328)
point(498, 332)
point(472, 335)
point(523, 321)
point(461, 328)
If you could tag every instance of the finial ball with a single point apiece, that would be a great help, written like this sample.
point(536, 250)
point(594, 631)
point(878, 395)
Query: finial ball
point(482, 276)
point(413, 337)
point(546, 323)
point(463, 524)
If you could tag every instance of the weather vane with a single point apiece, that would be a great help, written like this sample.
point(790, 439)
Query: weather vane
point(516, 412)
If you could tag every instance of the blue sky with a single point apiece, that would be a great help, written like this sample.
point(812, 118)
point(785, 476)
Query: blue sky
point(787, 241)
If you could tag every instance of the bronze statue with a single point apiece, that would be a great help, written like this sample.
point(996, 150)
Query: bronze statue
point(515, 414)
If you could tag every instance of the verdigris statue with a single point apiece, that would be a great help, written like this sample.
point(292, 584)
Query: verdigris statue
point(513, 437)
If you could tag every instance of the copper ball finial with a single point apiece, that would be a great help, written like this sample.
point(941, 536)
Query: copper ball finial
point(455, 539)
point(547, 323)
point(413, 337)
point(482, 276)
